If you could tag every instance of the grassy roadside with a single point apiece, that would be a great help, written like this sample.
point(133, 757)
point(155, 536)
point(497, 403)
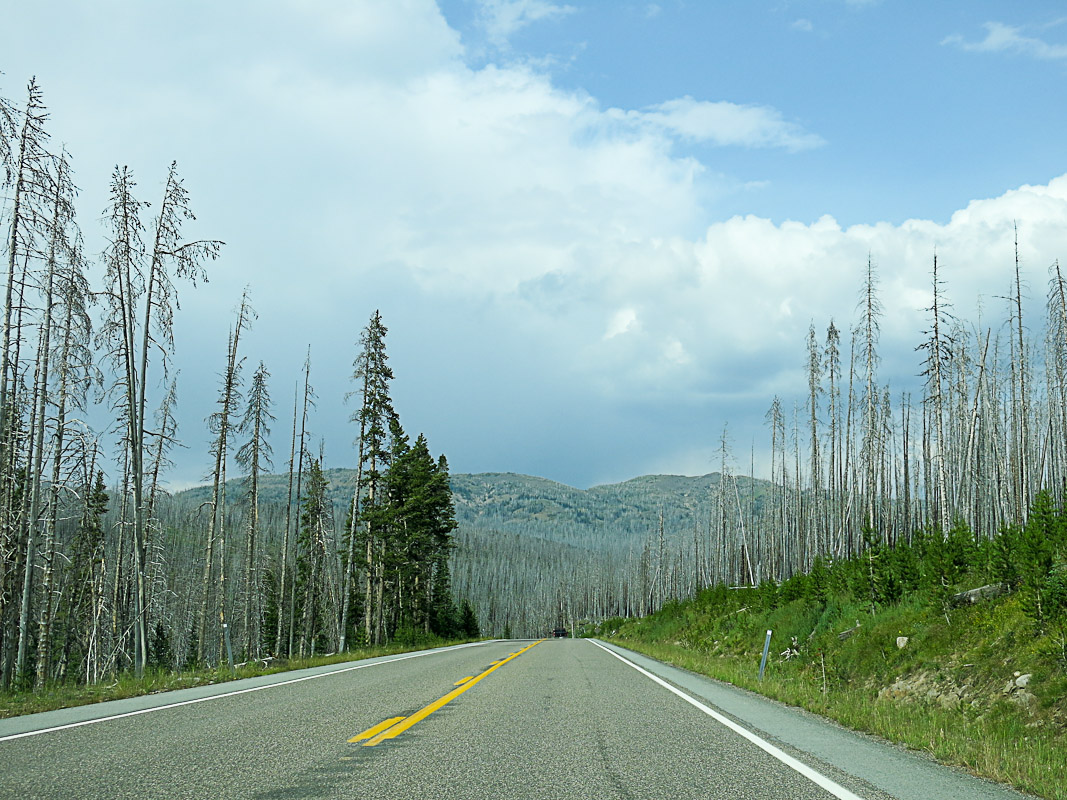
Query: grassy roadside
point(16, 703)
point(952, 689)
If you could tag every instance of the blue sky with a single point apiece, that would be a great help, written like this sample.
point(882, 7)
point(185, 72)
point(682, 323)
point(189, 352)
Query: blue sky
point(918, 106)
point(597, 231)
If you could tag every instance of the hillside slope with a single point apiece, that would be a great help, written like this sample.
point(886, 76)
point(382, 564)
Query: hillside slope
point(531, 553)
point(609, 515)
point(617, 515)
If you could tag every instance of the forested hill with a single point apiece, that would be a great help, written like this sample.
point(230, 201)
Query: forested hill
point(532, 554)
point(612, 515)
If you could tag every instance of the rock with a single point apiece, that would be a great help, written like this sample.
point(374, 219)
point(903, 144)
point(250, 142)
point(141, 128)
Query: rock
point(1022, 681)
point(902, 642)
point(948, 701)
point(1022, 697)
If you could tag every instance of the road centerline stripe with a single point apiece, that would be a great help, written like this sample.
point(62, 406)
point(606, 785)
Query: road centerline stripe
point(409, 722)
point(138, 712)
point(372, 732)
point(836, 789)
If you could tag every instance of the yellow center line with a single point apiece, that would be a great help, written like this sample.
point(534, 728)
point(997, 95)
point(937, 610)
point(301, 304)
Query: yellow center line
point(370, 732)
point(462, 681)
point(403, 724)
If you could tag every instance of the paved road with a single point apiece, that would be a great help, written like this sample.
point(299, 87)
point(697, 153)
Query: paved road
point(549, 719)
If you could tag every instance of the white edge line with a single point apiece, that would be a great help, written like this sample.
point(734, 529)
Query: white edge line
point(815, 777)
point(40, 731)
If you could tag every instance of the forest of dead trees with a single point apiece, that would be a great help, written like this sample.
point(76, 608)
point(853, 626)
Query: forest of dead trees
point(854, 464)
point(104, 575)
point(99, 577)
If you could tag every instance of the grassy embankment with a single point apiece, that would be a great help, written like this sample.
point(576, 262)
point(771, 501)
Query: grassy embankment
point(14, 703)
point(982, 685)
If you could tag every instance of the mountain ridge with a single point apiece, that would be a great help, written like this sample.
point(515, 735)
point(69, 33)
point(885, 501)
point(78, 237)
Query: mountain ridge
point(613, 516)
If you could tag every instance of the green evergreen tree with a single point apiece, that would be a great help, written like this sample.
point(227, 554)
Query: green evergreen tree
point(160, 654)
point(818, 588)
point(468, 623)
point(370, 522)
point(422, 521)
point(316, 585)
point(444, 616)
point(1036, 555)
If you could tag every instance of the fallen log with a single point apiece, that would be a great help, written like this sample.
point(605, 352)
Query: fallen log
point(972, 596)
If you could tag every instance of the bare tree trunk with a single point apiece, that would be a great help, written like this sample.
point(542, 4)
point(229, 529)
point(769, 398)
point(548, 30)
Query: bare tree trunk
point(308, 392)
point(1021, 400)
point(353, 522)
point(285, 541)
point(61, 213)
point(221, 422)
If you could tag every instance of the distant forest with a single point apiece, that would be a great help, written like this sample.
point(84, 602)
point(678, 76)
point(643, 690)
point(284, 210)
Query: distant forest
point(100, 577)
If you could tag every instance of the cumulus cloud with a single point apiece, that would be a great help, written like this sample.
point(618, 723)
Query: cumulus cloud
point(545, 264)
point(501, 19)
point(803, 25)
point(623, 320)
point(577, 224)
point(738, 301)
point(1001, 38)
point(725, 123)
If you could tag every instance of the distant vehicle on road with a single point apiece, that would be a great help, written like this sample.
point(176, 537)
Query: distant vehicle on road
point(560, 633)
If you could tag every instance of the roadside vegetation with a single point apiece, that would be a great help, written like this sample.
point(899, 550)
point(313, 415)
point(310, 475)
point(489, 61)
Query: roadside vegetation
point(160, 679)
point(894, 642)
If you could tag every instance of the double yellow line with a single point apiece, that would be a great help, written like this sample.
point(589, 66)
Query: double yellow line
point(395, 726)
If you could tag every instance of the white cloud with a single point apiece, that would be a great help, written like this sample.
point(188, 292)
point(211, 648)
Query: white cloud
point(501, 19)
point(622, 321)
point(653, 10)
point(1002, 38)
point(725, 123)
point(803, 25)
point(674, 351)
point(723, 318)
point(500, 220)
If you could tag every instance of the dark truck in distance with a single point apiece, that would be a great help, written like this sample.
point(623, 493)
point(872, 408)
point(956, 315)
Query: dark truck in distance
point(560, 633)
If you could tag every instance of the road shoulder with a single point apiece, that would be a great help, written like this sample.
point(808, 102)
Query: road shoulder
point(902, 773)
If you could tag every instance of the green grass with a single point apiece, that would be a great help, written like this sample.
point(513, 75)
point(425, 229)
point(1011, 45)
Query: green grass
point(14, 703)
point(964, 658)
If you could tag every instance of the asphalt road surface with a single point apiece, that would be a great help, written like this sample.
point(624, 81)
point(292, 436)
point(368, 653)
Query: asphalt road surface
point(555, 718)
